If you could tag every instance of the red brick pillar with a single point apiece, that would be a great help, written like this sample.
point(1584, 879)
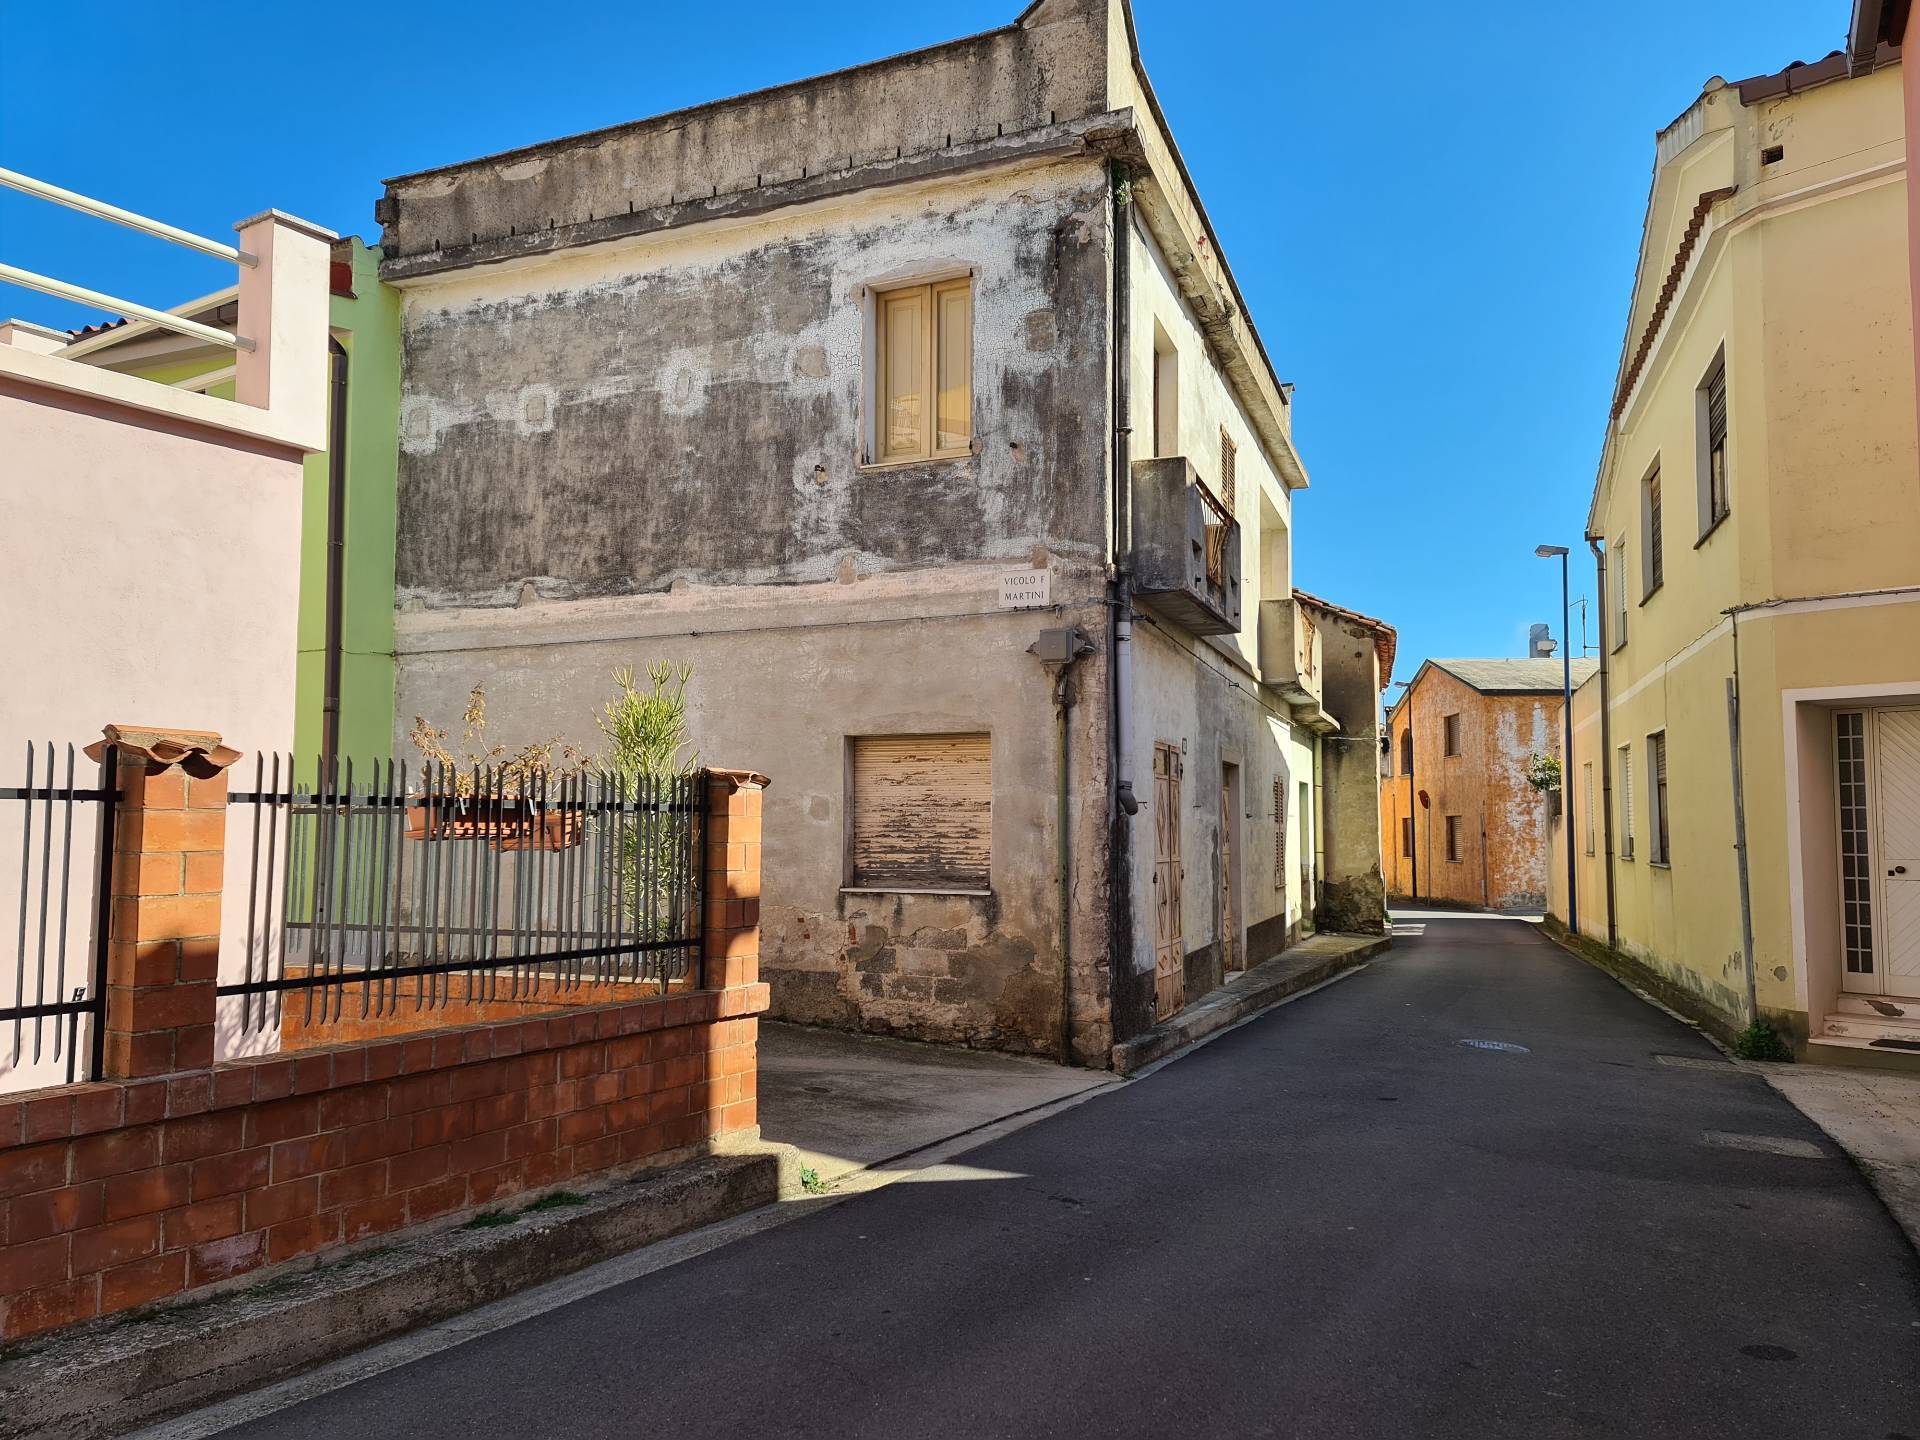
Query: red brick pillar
point(732, 920)
point(169, 846)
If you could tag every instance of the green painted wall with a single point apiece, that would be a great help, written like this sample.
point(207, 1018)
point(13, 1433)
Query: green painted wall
point(367, 324)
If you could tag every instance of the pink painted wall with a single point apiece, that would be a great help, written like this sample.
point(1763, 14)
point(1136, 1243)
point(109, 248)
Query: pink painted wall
point(1910, 85)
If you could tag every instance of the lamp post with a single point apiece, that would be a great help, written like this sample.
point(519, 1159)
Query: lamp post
point(1547, 552)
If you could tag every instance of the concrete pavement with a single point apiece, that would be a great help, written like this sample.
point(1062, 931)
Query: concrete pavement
point(1337, 1220)
point(849, 1101)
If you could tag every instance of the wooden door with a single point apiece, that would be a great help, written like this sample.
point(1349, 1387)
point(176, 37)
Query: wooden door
point(1230, 958)
point(1169, 952)
point(1897, 854)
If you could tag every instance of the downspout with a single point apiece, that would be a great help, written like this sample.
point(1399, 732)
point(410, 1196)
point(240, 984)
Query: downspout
point(1062, 703)
point(1413, 800)
point(1122, 493)
point(1122, 805)
point(1606, 738)
point(336, 550)
point(1740, 825)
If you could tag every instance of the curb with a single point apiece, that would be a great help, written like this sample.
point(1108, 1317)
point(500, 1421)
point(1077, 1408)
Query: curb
point(1267, 983)
point(116, 1377)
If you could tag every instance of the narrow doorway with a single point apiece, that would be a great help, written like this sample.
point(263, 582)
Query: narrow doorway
point(1877, 760)
point(1169, 953)
point(1232, 953)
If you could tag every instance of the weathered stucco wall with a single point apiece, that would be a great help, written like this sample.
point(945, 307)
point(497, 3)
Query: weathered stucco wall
point(1352, 890)
point(1504, 835)
point(652, 451)
point(690, 407)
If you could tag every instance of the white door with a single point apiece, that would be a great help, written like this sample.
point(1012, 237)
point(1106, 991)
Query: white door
point(1897, 826)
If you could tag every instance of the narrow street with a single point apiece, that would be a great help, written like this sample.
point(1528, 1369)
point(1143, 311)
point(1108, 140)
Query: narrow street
point(1337, 1220)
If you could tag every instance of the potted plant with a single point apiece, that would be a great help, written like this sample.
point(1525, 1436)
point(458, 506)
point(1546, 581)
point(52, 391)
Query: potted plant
point(513, 800)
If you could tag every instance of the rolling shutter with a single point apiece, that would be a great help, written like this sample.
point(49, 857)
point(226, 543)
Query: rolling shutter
point(923, 811)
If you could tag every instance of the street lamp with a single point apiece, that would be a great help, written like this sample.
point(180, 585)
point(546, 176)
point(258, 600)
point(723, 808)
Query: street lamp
point(1547, 552)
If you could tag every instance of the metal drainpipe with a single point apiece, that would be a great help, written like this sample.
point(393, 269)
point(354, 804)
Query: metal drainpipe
point(1122, 501)
point(336, 549)
point(1740, 825)
point(1606, 736)
point(1062, 703)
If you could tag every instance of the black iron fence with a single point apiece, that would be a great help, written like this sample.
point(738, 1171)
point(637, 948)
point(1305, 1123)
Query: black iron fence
point(390, 889)
point(56, 833)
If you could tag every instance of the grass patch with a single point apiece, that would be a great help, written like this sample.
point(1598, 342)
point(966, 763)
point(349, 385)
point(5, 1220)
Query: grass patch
point(489, 1220)
point(559, 1200)
point(1761, 1042)
point(811, 1182)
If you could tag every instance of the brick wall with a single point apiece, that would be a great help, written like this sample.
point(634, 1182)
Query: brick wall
point(142, 1187)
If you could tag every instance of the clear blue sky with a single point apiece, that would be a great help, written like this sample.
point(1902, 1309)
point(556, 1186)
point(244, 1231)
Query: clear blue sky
point(1433, 210)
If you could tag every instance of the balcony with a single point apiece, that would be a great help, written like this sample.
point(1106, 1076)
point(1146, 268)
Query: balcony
point(1186, 548)
point(1291, 658)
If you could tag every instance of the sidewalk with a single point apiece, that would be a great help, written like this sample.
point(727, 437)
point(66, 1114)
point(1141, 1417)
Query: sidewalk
point(850, 1102)
point(1874, 1116)
point(1299, 967)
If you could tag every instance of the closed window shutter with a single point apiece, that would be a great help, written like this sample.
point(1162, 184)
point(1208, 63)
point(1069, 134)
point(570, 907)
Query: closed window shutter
point(1229, 466)
point(1626, 802)
point(1717, 409)
point(1655, 555)
point(923, 811)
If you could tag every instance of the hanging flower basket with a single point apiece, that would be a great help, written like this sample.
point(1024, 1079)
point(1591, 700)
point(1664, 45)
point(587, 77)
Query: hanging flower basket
point(503, 824)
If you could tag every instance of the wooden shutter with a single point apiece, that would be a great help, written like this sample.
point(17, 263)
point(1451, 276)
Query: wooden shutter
point(1717, 408)
point(1655, 549)
point(1229, 464)
point(923, 811)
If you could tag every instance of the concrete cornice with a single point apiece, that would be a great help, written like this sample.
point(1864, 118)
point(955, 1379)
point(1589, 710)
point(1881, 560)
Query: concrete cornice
point(1106, 134)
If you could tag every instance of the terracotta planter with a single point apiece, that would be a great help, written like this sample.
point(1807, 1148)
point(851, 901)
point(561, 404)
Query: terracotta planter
point(511, 825)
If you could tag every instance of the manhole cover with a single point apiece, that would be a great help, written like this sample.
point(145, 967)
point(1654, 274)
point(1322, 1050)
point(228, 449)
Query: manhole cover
point(1499, 1045)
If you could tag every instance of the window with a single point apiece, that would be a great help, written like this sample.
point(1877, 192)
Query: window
point(921, 812)
point(923, 354)
point(1586, 778)
point(1657, 793)
point(1406, 750)
point(1626, 802)
point(1710, 421)
point(1229, 461)
point(1450, 735)
point(1406, 836)
point(1453, 838)
point(1856, 872)
point(1166, 395)
point(1653, 575)
point(1617, 579)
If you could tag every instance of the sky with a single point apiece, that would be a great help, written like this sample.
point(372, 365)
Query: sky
point(1433, 211)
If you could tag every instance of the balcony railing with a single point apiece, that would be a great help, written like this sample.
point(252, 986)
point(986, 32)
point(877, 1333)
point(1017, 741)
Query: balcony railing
point(80, 294)
point(1186, 548)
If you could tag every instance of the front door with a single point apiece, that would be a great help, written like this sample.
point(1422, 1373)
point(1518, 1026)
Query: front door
point(1897, 827)
point(1230, 958)
point(1169, 953)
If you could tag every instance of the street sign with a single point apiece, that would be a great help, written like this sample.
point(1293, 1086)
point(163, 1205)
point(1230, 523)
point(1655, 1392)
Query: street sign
point(1025, 589)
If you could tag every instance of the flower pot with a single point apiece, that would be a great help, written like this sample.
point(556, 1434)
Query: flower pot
point(504, 825)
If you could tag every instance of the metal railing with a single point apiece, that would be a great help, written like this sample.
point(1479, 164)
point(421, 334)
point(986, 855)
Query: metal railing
point(80, 294)
point(60, 915)
point(389, 891)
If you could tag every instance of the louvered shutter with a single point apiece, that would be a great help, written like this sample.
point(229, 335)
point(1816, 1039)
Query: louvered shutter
point(923, 811)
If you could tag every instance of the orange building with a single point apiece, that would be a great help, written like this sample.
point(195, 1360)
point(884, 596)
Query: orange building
point(1458, 819)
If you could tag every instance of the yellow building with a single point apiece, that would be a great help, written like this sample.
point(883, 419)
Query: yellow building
point(1756, 520)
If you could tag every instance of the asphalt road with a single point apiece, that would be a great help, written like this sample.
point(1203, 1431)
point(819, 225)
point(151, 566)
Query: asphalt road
point(1336, 1220)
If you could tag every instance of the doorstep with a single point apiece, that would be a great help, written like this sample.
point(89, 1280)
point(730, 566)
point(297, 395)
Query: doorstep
point(1299, 967)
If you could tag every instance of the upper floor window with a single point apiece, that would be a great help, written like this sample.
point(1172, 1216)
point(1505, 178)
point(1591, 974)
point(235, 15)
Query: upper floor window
point(923, 371)
point(1653, 550)
point(1710, 413)
point(1229, 463)
point(1450, 734)
point(1617, 609)
point(1166, 394)
point(1626, 802)
point(1406, 751)
point(1657, 795)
